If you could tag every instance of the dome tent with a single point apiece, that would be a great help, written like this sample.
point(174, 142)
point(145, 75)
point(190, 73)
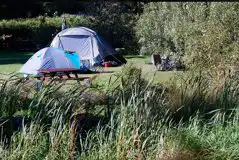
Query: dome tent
point(50, 58)
point(86, 43)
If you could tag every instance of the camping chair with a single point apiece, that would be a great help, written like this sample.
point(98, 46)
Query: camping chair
point(156, 60)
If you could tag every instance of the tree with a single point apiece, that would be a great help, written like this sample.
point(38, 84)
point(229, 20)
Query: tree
point(115, 22)
point(205, 33)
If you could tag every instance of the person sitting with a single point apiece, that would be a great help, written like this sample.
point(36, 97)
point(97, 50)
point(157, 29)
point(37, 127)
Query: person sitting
point(165, 64)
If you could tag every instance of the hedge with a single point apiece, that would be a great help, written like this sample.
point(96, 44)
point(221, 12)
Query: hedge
point(40, 29)
point(118, 32)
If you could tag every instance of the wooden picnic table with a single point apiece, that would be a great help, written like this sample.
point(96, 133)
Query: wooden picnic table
point(60, 73)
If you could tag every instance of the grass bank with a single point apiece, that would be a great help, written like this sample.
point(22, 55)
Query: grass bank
point(130, 118)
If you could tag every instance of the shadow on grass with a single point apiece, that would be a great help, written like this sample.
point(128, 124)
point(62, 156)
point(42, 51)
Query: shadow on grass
point(136, 56)
point(85, 123)
point(11, 124)
point(10, 57)
point(14, 60)
point(98, 72)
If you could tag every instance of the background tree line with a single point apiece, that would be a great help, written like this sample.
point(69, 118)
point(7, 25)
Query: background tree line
point(32, 8)
point(113, 20)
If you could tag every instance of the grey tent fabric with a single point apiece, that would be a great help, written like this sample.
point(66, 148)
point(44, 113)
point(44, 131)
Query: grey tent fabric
point(85, 42)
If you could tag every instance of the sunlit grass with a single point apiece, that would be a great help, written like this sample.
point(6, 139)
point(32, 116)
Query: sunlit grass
point(12, 61)
point(9, 68)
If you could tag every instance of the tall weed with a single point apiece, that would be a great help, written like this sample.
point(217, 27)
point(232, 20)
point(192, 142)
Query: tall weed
point(140, 124)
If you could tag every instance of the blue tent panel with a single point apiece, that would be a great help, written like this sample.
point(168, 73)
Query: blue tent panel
point(51, 58)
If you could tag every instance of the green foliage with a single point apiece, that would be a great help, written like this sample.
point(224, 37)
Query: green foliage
point(112, 25)
point(113, 20)
point(40, 29)
point(197, 92)
point(129, 85)
point(33, 142)
point(116, 24)
point(140, 124)
point(13, 98)
point(205, 33)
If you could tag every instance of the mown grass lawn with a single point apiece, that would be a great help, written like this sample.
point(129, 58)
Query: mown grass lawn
point(11, 62)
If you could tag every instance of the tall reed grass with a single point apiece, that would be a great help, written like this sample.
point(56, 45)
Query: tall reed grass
point(143, 121)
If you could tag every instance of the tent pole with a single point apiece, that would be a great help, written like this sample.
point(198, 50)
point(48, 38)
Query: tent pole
point(92, 50)
point(60, 42)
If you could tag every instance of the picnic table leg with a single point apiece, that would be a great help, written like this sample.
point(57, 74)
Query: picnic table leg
point(52, 76)
point(76, 75)
point(77, 78)
point(60, 76)
point(38, 83)
point(68, 75)
point(43, 78)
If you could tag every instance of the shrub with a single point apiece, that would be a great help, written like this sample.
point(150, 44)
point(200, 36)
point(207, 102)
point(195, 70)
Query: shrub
point(115, 22)
point(205, 33)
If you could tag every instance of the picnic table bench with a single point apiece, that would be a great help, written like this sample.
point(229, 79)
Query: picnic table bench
point(60, 73)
